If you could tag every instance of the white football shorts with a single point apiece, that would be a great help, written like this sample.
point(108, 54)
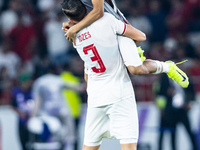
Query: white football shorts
point(118, 120)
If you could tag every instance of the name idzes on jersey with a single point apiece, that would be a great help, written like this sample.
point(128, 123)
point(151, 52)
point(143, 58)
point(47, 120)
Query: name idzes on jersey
point(84, 36)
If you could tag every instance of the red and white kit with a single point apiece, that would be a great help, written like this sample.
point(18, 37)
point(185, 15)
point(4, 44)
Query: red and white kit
point(110, 91)
point(128, 48)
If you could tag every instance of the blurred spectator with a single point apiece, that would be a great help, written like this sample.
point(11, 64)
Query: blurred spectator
point(141, 5)
point(47, 92)
point(174, 102)
point(9, 59)
point(158, 52)
point(166, 6)
point(46, 5)
point(57, 45)
point(41, 65)
point(9, 17)
point(23, 104)
point(1, 4)
point(141, 22)
point(23, 39)
point(175, 20)
point(157, 18)
point(72, 98)
point(179, 54)
point(195, 71)
point(183, 41)
point(197, 51)
point(195, 23)
point(77, 65)
point(5, 86)
point(39, 21)
point(189, 8)
point(125, 6)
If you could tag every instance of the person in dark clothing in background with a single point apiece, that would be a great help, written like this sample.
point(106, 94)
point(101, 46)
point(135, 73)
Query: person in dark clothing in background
point(174, 103)
point(23, 105)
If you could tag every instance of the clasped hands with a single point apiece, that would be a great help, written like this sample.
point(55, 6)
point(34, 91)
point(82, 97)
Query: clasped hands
point(70, 33)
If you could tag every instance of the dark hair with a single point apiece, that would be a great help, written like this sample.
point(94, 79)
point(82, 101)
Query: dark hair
point(74, 9)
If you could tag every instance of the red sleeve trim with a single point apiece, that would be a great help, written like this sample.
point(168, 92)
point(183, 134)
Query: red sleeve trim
point(124, 29)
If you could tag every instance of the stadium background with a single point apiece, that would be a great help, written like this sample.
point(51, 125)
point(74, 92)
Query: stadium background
point(31, 38)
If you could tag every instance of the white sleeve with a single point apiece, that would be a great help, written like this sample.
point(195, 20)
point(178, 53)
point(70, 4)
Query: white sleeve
point(118, 26)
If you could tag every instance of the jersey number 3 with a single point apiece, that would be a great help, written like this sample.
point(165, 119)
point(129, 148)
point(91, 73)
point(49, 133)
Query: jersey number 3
point(96, 57)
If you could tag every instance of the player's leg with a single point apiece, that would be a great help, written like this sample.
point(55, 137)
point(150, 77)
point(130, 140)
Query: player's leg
point(183, 114)
point(149, 66)
point(96, 127)
point(129, 51)
point(132, 60)
point(124, 122)
point(90, 147)
point(157, 67)
point(67, 130)
point(173, 138)
point(136, 66)
point(131, 146)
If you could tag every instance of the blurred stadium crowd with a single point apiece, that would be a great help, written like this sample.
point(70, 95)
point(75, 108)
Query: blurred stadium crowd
point(31, 37)
point(31, 40)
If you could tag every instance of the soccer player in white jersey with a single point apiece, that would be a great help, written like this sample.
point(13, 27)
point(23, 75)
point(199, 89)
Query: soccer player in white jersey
point(112, 109)
point(96, 10)
point(47, 92)
point(128, 49)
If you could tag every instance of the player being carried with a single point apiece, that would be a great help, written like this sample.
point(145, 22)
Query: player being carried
point(127, 43)
point(95, 9)
point(112, 111)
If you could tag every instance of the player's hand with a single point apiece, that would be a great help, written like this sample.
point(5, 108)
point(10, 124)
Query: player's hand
point(66, 26)
point(70, 32)
point(71, 35)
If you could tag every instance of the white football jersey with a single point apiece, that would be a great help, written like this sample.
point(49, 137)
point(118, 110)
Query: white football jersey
point(49, 89)
point(97, 45)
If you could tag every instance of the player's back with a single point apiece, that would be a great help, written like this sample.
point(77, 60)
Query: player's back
point(49, 89)
point(97, 45)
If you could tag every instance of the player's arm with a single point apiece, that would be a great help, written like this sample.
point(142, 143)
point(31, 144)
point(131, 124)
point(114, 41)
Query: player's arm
point(76, 87)
point(135, 34)
point(96, 13)
point(36, 91)
point(36, 107)
point(126, 29)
